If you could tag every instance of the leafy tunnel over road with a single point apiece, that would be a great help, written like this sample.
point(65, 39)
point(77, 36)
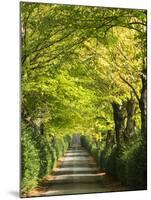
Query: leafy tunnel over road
point(83, 70)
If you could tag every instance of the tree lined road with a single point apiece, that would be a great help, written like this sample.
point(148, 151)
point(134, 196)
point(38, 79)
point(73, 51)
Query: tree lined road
point(84, 71)
point(78, 173)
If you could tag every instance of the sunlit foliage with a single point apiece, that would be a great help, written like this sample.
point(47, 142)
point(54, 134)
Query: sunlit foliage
point(83, 70)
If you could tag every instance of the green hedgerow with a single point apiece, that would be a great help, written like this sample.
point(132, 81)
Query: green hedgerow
point(30, 165)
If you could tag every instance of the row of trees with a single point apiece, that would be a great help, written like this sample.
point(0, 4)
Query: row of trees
point(84, 70)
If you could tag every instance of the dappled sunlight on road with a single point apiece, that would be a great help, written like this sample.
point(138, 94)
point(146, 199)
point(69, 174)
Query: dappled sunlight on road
point(77, 173)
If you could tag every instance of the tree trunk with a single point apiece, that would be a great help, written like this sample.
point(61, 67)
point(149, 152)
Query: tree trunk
point(119, 122)
point(110, 138)
point(130, 125)
point(41, 128)
point(143, 107)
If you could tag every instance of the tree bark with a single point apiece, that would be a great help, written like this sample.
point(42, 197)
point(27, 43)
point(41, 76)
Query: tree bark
point(119, 122)
point(143, 107)
point(130, 125)
point(110, 138)
point(42, 129)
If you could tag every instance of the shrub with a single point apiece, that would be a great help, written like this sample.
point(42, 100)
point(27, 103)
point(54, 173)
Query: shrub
point(111, 161)
point(67, 142)
point(86, 143)
point(38, 157)
point(134, 158)
point(92, 149)
point(127, 163)
point(96, 154)
point(30, 165)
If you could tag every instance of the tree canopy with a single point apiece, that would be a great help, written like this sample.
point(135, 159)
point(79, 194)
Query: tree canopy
point(77, 60)
point(83, 70)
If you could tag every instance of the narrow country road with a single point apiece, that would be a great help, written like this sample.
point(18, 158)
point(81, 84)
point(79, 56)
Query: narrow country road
point(77, 173)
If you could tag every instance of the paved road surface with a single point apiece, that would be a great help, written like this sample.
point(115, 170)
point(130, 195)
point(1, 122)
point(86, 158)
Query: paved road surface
point(77, 174)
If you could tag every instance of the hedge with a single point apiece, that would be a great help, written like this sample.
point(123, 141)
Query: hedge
point(127, 164)
point(38, 156)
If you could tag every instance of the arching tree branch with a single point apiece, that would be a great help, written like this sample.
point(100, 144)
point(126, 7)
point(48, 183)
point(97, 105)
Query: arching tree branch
point(130, 85)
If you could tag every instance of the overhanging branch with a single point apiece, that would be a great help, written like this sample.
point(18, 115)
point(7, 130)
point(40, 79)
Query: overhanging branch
point(133, 89)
